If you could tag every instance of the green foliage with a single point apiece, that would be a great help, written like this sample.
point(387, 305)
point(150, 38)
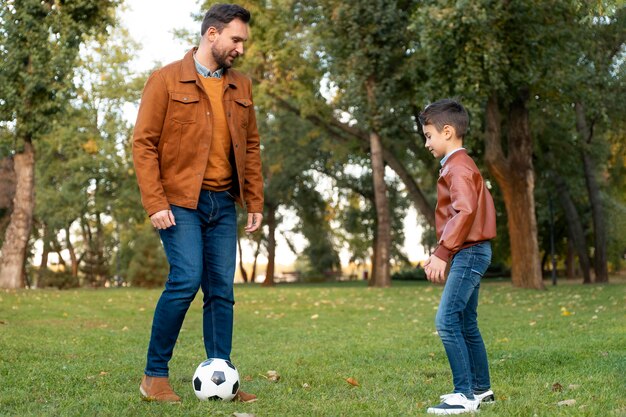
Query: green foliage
point(92, 144)
point(148, 266)
point(315, 337)
point(61, 280)
point(412, 274)
point(39, 44)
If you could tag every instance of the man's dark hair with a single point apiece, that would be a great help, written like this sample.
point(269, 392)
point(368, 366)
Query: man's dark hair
point(219, 15)
point(446, 112)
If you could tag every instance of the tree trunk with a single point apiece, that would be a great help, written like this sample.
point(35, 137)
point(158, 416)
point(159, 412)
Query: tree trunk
point(597, 211)
point(271, 246)
point(381, 274)
point(570, 260)
point(242, 270)
point(423, 206)
point(57, 248)
point(254, 263)
point(70, 248)
point(574, 227)
point(43, 266)
point(516, 178)
point(370, 279)
point(101, 263)
point(18, 230)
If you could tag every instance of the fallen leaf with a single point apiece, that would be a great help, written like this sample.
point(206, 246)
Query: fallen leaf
point(103, 373)
point(247, 378)
point(272, 376)
point(567, 402)
point(352, 381)
point(243, 415)
point(573, 386)
point(305, 385)
point(556, 387)
point(315, 316)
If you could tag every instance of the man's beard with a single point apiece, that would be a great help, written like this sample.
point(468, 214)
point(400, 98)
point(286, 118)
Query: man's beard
point(221, 58)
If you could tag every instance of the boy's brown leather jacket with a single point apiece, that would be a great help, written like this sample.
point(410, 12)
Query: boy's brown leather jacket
point(172, 138)
point(465, 213)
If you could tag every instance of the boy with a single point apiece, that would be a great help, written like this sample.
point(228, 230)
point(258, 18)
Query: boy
point(466, 221)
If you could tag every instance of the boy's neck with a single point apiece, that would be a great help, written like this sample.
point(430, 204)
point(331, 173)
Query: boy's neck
point(453, 145)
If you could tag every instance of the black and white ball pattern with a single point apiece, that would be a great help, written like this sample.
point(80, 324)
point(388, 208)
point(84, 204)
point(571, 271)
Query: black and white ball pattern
point(216, 379)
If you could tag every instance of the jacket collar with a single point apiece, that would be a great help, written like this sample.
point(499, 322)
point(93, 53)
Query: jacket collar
point(448, 156)
point(189, 74)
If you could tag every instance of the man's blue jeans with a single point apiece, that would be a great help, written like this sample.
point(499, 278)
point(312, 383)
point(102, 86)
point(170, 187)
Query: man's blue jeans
point(201, 251)
point(457, 323)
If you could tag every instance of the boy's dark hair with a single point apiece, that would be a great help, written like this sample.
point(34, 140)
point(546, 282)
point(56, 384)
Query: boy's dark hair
point(446, 112)
point(219, 15)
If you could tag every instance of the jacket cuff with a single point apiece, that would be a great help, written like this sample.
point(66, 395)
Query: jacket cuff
point(254, 208)
point(155, 208)
point(443, 253)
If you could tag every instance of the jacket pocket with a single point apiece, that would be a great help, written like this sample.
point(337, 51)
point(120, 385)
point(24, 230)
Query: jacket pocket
point(243, 109)
point(183, 108)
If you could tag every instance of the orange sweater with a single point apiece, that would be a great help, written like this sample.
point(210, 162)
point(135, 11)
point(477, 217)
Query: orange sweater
point(219, 172)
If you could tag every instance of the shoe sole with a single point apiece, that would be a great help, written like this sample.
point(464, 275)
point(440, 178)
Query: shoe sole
point(450, 412)
point(490, 399)
point(147, 398)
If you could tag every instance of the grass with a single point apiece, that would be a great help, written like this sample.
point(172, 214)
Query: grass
point(81, 353)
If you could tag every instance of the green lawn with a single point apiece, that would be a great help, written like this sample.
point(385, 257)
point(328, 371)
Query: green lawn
point(81, 353)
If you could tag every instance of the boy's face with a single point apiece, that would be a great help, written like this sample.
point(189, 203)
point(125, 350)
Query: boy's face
point(437, 142)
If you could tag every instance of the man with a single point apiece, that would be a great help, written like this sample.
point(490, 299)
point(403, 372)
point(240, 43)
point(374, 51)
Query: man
point(196, 152)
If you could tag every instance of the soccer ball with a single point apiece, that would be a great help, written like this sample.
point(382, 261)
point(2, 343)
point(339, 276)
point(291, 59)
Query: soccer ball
point(216, 379)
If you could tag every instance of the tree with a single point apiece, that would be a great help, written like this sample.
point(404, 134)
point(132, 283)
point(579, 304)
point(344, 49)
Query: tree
point(600, 62)
point(148, 266)
point(92, 145)
point(365, 45)
point(39, 43)
point(499, 56)
point(291, 58)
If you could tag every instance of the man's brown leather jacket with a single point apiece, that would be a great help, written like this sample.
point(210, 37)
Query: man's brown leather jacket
point(465, 213)
point(173, 135)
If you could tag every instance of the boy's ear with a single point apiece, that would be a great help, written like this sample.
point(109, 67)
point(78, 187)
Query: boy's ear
point(448, 131)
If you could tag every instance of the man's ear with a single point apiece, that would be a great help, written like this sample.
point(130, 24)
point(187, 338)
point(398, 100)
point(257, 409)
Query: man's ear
point(211, 33)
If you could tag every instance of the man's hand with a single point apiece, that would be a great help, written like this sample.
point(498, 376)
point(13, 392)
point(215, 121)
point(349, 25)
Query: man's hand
point(254, 222)
point(163, 219)
point(435, 269)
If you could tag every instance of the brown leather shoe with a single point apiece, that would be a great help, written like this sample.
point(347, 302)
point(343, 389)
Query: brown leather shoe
point(157, 388)
point(244, 397)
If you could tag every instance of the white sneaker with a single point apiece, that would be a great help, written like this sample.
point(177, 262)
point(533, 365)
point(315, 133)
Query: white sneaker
point(455, 403)
point(485, 397)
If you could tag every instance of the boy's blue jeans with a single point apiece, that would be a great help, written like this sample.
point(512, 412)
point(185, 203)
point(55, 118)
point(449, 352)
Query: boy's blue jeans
point(457, 323)
point(201, 251)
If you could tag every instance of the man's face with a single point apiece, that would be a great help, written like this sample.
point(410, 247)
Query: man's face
point(436, 142)
point(228, 45)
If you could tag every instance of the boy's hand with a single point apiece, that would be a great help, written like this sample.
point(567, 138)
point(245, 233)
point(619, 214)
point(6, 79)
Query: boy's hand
point(435, 269)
